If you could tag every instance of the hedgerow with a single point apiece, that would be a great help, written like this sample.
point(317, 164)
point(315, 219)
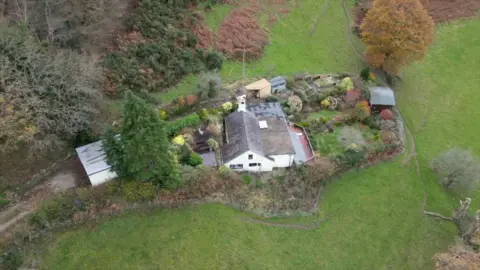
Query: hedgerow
point(191, 120)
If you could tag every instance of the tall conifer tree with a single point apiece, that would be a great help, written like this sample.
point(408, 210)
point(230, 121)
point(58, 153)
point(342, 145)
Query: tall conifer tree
point(142, 150)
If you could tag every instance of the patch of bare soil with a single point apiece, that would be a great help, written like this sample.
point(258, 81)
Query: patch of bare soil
point(70, 175)
point(241, 32)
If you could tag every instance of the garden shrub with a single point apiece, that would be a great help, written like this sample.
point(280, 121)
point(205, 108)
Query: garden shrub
point(227, 107)
point(179, 140)
point(365, 73)
point(191, 120)
point(350, 135)
point(163, 114)
point(247, 179)
point(271, 99)
point(214, 60)
point(346, 84)
point(361, 111)
point(350, 158)
point(11, 260)
point(303, 124)
point(203, 113)
point(53, 211)
point(137, 191)
point(295, 104)
point(387, 136)
point(225, 171)
point(458, 169)
point(195, 159)
point(387, 114)
point(209, 85)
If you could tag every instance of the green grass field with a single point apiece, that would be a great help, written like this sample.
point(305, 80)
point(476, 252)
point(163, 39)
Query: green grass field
point(374, 215)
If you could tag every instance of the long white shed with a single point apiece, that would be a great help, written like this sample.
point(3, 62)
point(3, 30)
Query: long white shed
point(94, 161)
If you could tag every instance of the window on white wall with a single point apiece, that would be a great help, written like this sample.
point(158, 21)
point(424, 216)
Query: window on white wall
point(254, 164)
point(236, 166)
point(250, 156)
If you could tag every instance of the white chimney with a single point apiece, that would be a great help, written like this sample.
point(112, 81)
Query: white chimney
point(242, 103)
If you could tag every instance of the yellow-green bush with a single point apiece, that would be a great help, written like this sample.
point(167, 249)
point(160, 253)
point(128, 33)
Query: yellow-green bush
point(138, 191)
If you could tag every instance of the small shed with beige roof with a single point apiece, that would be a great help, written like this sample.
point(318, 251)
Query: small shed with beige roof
point(259, 89)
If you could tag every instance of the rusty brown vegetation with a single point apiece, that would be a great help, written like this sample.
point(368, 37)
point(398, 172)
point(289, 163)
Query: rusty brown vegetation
point(241, 32)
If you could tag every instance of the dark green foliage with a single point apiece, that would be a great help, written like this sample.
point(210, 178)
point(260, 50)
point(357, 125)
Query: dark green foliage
point(183, 153)
point(169, 54)
point(365, 73)
point(350, 158)
point(271, 99)
point(214, 60)
point(191, 120)
point(247, 179)
point(142, 150)
point(210, 84)
point(195, 159)
point(11, 260)
point(58, 210)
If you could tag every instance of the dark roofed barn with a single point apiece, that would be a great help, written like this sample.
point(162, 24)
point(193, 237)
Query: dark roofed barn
point(381, 98)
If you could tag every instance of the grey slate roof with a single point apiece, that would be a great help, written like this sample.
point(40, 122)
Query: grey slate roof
point(267, 109)
point(242, 135)
point(382, 96)
point(275, 138)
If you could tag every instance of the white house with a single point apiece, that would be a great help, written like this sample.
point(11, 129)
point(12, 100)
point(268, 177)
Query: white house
point(256, 143)
point(94, 160)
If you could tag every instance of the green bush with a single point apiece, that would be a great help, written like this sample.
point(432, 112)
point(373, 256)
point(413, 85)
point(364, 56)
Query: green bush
point(210, 84)
point(346, 84)
point(136, 191)
point(203, 113)
point(191, 120)
point(195, 159)
point(365, 73)
point(304, 124)
point(271, 99)
point(247, 179)
point(214, 60)
point(11, 260)
point(350, 158)
point(57, 210)
point(225, 171)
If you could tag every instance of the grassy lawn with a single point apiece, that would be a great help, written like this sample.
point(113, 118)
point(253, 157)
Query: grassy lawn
point(374, 215)
point(439, 97)
point(214, 17)
point(373, 223)
point(323, 113)
point(293, 49)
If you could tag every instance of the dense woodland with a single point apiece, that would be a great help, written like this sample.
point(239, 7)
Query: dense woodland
point(60, 58)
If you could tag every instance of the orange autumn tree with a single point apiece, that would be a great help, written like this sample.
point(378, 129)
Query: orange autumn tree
point(396, 32)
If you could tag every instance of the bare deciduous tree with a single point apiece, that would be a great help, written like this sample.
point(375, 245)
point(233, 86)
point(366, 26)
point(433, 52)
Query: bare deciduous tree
point(47, 97)
point(458, 169)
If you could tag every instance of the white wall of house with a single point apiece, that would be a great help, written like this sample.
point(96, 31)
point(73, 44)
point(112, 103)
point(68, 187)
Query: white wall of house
point(283, 161)
point(251, 161)
point(102, 177)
